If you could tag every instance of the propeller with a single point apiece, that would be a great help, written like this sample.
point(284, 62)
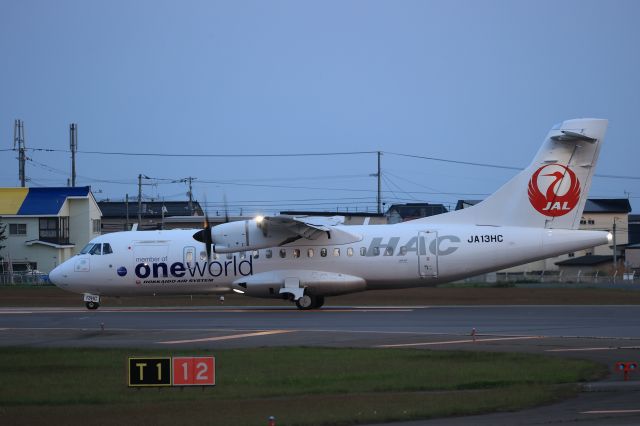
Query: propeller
point(204, 235)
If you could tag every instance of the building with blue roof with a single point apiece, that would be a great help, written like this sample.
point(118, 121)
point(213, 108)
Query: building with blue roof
point(46, 226)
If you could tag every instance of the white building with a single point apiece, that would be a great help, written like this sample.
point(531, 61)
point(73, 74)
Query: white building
point(46, 226)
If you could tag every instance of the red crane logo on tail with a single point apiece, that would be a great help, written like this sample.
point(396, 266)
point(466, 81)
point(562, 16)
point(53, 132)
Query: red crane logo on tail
point(562, 190)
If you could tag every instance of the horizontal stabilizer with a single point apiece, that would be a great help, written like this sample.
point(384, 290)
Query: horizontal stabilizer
point(568, 135)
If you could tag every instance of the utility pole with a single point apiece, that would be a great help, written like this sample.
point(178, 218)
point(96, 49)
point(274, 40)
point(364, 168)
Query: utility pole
point(18, 139)
point(164, 210)
point(126, 202)
point(615, 248)
point(379, 174)
point(139, 199)
point(73, 146)
point(140, 177)
point(190, 194)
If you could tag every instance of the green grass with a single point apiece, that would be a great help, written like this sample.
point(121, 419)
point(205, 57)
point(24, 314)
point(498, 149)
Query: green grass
point(305, 386)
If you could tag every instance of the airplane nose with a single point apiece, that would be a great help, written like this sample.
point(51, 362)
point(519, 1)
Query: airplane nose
point(60, 276)
point(56, 276)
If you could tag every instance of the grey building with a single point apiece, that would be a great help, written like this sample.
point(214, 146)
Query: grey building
point(120, 215)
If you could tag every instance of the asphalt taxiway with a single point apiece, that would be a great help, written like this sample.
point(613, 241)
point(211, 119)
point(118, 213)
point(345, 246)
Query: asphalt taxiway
point(603, 333)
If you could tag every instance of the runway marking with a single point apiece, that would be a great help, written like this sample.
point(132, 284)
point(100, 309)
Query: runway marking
point(603, 348)
point(233, 336)
point(610, 412)
point(206, 310)
point(452, 342)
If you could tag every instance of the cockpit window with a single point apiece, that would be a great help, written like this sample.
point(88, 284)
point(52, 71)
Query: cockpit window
point(96, 250)
point(106, 248)
point(86, 248)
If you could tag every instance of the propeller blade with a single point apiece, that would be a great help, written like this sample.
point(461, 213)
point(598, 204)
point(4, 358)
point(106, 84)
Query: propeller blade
point(204, 235)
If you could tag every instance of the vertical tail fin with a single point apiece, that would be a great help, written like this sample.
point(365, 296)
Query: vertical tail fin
point(552, 191)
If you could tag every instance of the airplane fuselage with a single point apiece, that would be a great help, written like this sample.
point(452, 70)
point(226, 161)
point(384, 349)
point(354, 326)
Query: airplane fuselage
point(383, 257)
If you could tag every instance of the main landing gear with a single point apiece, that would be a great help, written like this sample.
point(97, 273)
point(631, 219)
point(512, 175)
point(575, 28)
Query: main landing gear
point(310, 301)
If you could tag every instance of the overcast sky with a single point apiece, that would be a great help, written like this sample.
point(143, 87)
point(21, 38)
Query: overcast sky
point(475, 81)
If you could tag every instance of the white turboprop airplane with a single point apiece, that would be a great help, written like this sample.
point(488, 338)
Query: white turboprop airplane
point(304, 259)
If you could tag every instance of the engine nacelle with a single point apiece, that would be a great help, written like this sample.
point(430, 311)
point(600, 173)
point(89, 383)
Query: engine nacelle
point(247, 235)
point(272, 283)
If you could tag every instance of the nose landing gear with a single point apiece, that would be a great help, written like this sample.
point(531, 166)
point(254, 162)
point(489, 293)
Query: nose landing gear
point(91, 301)
point(92, 305)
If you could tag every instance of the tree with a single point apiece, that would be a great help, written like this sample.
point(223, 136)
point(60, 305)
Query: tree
point(3, 237)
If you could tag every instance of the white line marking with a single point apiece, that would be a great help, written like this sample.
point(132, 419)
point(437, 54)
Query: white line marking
point(610, 412)
point(604, 348)
point(451, 342)
point(200, 310)
point(233, 336)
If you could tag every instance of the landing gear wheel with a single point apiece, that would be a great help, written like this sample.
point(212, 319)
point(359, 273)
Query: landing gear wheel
point(306, 302)
point(319, 302)
point(92, 305)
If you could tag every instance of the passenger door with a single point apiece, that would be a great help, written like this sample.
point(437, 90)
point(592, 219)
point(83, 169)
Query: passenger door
point(427, 261)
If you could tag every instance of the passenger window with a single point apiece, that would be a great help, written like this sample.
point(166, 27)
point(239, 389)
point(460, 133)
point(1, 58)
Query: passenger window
point(256, 254)
point(268, 253)
point(403, 250)
point(229, 256)
point(283, 253)
point(363, 251)
point(243, 254)
point(96, 250)
point(323, 252)
point(106, 248)
point(336, 252)
point(296, 253)
point(388, 251)
point(310, 252)
point(350, 251)
point(203, 255)
point(376, 251)
point(215, 256)
point(188, 257)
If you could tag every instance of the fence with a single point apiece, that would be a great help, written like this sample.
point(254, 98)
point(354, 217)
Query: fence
point(560, 277)
point(24, 279)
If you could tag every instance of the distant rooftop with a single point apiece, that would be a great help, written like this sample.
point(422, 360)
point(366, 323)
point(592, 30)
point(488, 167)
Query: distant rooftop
point(150, 209)
point(591, 260)
point(593, 205)
point(341, 213)
point(607, 205)
point(416, 210)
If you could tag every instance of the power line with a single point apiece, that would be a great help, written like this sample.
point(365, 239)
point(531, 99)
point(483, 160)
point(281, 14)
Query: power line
point(312, 154)
point(158, 154)
point(444, 160)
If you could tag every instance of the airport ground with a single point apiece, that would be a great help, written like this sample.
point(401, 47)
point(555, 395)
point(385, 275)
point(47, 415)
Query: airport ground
point(600, 325)
point(458, 294)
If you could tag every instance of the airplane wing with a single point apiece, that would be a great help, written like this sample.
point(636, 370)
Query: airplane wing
point(309, 227)
point(274, 231)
